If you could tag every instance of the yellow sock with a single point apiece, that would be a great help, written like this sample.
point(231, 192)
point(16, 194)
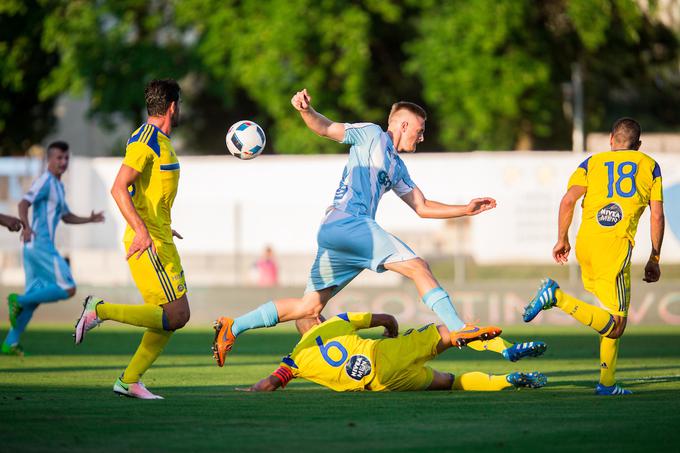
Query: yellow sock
point(148, 351)
point(609, 351)
point(496, 345)
point(480, 382)
point(146, 315)
point(588, 315)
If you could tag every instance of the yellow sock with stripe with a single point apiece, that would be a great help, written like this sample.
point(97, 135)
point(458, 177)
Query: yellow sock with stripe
point(588, 315)
point(496, 345)
point(609, 351)
point(477, 381)
point(145, 315)
point(153, 343)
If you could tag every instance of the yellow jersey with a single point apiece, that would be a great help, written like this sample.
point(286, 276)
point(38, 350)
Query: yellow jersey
point(619, 185)
point(333, 355)
point(150, 152)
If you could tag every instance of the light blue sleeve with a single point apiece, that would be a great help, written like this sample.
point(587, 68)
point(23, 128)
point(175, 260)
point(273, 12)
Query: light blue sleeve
point(39, 189)
point(360, 133)
point(404, 184)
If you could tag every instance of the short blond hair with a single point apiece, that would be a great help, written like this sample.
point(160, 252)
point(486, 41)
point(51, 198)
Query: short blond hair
point(409, 106)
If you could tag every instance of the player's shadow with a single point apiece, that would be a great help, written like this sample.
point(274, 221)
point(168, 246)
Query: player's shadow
point(573, 372)
point(59, 342)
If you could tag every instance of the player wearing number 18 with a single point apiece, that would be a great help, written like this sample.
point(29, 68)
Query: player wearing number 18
point(617, 186)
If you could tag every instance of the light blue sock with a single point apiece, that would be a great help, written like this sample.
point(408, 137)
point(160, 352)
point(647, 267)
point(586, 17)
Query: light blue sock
point(439, 302)
point(51, 293)
point(263, 316)
point(22, 321)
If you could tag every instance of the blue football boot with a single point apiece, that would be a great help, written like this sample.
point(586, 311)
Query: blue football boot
point(543, 300)
point(612, 390)
point(533, 380)
point(527, 349)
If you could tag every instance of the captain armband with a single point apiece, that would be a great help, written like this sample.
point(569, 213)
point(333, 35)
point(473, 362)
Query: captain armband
point(284, 375)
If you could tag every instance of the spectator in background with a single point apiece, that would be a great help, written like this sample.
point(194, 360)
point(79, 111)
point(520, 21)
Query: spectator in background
point(267, 269)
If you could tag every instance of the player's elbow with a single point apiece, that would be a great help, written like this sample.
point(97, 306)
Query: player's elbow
point(422, 210)
point(658, 217)
point(568, 201)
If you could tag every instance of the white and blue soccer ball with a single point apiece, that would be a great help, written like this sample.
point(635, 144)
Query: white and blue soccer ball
point(245, 140)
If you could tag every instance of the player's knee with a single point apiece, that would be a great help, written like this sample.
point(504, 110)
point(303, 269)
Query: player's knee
point(312, 309)
point(177, 316)
point(71, 292)
point(421, 267)
point(617, 331)
point(619, 328)
point(179, 320)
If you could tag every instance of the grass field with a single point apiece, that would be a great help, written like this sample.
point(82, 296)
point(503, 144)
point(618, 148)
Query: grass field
point(59, 398)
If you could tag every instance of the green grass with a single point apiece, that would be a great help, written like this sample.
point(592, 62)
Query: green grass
point(59, 398)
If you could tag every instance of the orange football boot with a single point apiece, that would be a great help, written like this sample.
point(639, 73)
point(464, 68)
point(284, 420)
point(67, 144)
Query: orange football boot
point(471, 332)
point(224, 339)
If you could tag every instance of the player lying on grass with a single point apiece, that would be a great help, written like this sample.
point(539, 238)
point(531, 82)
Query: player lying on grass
point(333, 355)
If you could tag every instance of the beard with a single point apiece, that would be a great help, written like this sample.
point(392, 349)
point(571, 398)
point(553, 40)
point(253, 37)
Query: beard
point(174, 121)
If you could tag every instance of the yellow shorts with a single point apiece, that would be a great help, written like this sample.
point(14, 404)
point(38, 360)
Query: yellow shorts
point(158, 276)
point(400, 362)
point(605, 270)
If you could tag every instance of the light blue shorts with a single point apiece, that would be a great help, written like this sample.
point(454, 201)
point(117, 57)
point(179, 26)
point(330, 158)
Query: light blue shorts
point(44, 266)
point(349, 245)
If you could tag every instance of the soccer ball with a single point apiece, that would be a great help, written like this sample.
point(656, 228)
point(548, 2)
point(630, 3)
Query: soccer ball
point(245, 140)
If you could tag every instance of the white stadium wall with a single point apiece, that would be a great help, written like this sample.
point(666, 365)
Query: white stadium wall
point(227, 208)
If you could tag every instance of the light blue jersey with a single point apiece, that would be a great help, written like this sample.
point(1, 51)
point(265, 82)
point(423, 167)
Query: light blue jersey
point(49, 205)
point(43, 264)
point(349, 239)
point(373, 168)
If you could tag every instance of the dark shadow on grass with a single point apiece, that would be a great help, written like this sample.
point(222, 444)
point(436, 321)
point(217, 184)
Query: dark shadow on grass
point(572, 372)
point(66, 369)
point(48, 342)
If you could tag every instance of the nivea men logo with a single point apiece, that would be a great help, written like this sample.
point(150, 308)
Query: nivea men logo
point(384, 179)
point(358, 367)
point(610, 215)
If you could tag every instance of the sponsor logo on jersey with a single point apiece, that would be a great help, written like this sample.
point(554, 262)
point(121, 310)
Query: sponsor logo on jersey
point(358, 366)
point(610, 215)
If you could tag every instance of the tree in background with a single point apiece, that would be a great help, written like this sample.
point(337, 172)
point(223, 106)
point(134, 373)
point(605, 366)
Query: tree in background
point(342, 52)
point(491, 72)
point(26, 113)
point(112, 49)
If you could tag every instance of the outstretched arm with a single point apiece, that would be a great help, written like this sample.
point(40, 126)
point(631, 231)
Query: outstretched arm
point(562, 248)
point(74, 219)
point(658, 224)
point(429, 209)
point(318, 123)
point(268, 384)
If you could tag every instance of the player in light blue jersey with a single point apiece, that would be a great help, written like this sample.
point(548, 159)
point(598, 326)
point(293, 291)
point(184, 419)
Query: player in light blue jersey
point(350, 240)
point(48, 277)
